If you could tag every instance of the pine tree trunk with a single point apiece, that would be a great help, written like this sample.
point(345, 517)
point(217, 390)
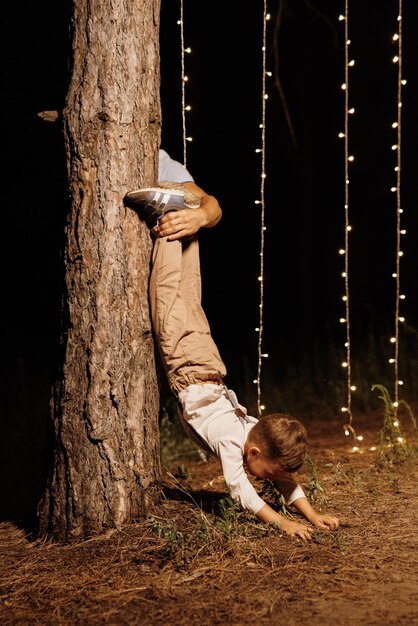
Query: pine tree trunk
point(104, 409)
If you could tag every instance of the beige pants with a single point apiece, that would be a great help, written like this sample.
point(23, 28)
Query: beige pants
point(181, 328)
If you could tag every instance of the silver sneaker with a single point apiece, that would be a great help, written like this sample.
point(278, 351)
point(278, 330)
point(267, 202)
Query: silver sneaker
point(154, 202)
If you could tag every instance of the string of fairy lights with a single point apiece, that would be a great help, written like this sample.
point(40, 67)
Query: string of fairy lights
point(395, 188)
point(262, 150)
point(397, 126)
point(348, 159)
point(344, 251)
point(184, 78)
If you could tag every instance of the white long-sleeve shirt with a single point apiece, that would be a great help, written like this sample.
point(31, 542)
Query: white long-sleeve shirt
point(212, 422)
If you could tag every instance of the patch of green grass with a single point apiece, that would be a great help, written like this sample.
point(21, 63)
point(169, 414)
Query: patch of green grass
point(394, 446)
point(217, 531)
point(343, 473)
point(394, 485)
point(167, 530)
point(314, 489)
point(228, 514)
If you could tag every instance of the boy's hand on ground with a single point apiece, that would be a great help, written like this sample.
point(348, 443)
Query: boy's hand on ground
point(294, 529)
point(324, 522)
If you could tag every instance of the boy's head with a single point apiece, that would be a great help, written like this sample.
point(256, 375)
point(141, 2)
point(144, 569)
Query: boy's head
point(275, 444)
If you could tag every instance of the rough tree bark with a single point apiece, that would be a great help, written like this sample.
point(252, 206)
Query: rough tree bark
point(105, 403)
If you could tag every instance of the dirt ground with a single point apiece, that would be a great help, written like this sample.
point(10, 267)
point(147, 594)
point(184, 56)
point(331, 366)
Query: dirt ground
point(196, 560)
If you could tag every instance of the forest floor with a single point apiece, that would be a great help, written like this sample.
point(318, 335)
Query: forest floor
point(197, 560)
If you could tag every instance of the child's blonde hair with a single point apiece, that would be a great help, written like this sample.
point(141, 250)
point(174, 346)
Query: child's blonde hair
point(282, 439)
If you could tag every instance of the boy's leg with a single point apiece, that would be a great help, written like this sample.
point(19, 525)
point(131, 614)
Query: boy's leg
point(182, 330)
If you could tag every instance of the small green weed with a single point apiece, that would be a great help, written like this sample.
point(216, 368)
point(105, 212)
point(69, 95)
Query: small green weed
point(175, 540)
point(182, 472)
point(344, 474)
point(326, 538)
point(393, 444)
point(394, 484)
point(228, 514)
point(314, 489)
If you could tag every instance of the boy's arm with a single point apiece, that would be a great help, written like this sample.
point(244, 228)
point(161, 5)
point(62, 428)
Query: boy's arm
point(186, 222)
point(295, 497)
point(323, 522)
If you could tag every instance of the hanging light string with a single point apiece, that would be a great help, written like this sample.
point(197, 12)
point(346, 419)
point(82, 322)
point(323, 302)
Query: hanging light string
point(184, 79)
point(346, 364)
point(261, 202)
point(397, 38)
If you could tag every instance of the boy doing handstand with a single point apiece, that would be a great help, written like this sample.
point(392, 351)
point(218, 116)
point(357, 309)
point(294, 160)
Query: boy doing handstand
point(272, 447)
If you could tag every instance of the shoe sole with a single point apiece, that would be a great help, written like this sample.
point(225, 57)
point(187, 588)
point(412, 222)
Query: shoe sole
point(166, 199)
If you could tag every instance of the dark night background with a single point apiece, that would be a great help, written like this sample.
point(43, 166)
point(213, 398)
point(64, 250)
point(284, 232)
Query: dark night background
point(304, 196)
